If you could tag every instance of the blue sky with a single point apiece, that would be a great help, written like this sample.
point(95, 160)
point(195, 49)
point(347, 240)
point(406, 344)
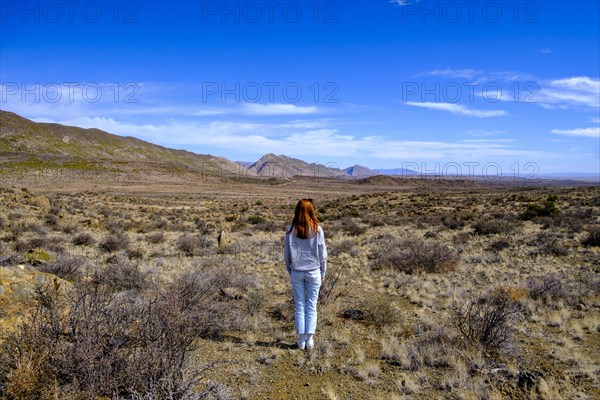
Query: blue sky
point(485, 86)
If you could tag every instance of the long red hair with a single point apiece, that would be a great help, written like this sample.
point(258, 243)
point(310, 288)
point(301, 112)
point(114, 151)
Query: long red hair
point(305, 219)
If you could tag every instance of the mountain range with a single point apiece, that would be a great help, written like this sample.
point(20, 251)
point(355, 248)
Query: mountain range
point(28, 144)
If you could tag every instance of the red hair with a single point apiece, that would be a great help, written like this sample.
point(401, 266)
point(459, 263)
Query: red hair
point(305, 219)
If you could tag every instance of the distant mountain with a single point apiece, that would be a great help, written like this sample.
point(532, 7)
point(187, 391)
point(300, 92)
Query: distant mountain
point(280, 166)
point(32, 144)
point(396, 171)
point(246, 164)
point(358, 171)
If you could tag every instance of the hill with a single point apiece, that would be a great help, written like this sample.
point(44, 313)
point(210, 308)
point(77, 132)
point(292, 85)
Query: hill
point(281, 166)
point(359, 171)
point(24, 143)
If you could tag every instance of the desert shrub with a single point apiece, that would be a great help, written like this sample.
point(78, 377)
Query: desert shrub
point(435, 347)
point(38, 255)
point(255, 301)
point(51, 220)
point(550, 244)
point(155, 237)
point(548, 209)
point(83, 239)
point(85, 342)
point(347, 246)
point(352, 227)
point(66, 267)
point(414, 255)
point(452, 222)
point(120, 274)
point(69, 229)
point(499, 245)
point(331, 288)
point(115, 242)
point(201, 226)
point(255, 219)
point(547, 286)
point(21, 228)
point(489, 319)
point(381, 312)
point(268, 226)
point(493, 226)
point(193, 245)
point(593, 236)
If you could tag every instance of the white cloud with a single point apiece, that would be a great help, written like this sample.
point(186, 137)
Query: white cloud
point(277, 109)
point(458, 109)
point(586, 132)
point(569, 92)
point(546, 50)
point(455, 73)
point(595, 120)
point(402, 3)
point(225, 136)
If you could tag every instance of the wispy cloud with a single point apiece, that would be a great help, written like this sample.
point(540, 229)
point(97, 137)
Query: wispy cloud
point(327, 142)
point(466, 73)
point(402, 3)
point(546, 50)
point(458, 109)
point(277, 109)
point(586, 132)
point(570, 92)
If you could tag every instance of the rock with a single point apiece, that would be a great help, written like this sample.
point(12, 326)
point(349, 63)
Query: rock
point(223, 238)
point(40, 202)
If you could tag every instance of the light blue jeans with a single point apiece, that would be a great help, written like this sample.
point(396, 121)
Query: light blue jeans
point(306, 285)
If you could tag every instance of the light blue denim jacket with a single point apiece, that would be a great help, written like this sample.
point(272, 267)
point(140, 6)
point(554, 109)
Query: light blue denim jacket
point(305, 254)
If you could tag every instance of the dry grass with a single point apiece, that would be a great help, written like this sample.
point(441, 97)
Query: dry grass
point(433, 291)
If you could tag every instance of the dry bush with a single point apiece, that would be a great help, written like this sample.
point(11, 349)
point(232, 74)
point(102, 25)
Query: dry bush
point(452, 222)
point(268, 226)
point(547, 286)
point(51, 220)
point(155, 237)
point(435, 347)
point(192, 245)
point(83, 239)
point(381, 312)
point(494, 226)
point(120, 274)
point(347, 246)
point(489, 319)
point(551, 244)
point(353, 228)
point(67, 267)
point(115, 242)
point(414, 255)
point(499, 245)
point(87, 342)
point(331, 287)
point(201, 226)
point(593, 236)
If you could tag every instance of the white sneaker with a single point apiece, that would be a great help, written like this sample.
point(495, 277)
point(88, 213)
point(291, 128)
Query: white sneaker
point(310, 344)
point(301, 344)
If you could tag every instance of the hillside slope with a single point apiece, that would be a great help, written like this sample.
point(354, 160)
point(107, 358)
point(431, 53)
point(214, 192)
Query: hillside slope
point(280, 166)
point(27, 143)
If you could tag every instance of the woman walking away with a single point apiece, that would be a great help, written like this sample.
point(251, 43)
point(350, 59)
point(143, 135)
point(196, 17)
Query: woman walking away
point(306, 261)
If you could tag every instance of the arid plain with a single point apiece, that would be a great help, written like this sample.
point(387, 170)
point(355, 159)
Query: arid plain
point(120, 287)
